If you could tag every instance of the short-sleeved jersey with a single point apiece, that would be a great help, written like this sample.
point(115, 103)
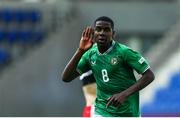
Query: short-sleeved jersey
point(113, 71)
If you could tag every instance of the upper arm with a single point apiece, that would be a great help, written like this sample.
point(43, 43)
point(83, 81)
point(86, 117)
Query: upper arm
point(136, 61)
point(83, 65)
point(148, 74)
point(71, 77)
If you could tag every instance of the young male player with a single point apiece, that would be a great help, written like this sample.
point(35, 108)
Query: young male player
point(112, 65)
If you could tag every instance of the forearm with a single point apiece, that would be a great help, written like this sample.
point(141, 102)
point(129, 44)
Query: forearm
point(145, 80)
point(70, 72)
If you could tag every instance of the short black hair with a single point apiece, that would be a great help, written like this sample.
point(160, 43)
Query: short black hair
point(105, 18)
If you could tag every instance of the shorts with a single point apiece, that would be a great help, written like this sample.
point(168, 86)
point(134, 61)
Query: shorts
point(88, 111)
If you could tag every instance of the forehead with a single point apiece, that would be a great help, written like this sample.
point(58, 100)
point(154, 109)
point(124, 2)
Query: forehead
point(102, 24)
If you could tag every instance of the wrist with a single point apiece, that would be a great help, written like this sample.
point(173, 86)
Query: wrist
point(126, 93)
point(81, 50)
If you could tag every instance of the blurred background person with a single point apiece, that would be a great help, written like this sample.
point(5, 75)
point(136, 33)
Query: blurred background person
point(89, 91)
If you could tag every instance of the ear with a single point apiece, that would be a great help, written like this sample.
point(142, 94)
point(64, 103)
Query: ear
point(114, 33)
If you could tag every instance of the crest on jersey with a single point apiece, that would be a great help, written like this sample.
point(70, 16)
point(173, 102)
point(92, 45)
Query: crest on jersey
point(114, 61)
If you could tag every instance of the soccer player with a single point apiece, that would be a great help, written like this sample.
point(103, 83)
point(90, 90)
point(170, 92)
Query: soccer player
point(112, 64)
point(89, 90)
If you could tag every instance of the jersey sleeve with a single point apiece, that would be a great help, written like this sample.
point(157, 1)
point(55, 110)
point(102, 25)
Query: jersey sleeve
point(83, 65)
point(136, 61)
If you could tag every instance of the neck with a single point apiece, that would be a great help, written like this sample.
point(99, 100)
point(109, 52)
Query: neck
point(104, 48)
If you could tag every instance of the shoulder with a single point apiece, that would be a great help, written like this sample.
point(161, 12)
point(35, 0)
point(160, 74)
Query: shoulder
point(124, 51)
point(121, 48)
point(124, 48)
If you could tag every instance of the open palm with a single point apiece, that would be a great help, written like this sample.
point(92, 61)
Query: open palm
point(86, 41)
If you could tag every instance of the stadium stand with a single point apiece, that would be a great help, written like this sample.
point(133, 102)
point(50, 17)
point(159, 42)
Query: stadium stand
point(166, 101)
point(20, 27)
point(2, 35)
point(24, 26)
point(5, 58)
point(163, 95)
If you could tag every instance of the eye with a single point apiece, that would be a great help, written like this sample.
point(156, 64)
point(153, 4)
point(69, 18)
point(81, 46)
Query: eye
point(107, 29)
point(98, 29)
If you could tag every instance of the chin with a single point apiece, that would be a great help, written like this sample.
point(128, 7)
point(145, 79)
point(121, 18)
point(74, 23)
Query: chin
point(101, 44)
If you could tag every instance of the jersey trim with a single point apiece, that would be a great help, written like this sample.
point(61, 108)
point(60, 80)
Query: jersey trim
point(113, 43)
point(146, 69)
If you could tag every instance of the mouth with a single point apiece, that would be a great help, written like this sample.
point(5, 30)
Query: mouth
point(102, 40)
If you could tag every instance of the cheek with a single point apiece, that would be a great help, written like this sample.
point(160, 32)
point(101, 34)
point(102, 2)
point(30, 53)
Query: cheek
point(95, 36)
point(110, 35)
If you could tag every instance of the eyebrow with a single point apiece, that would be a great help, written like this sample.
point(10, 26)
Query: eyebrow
point(103, 26)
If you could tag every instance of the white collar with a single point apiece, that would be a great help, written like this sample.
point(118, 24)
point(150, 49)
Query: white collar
point(107, 51)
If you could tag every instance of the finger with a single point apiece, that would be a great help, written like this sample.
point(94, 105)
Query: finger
point(108, 98)
point(92, 38)
point(109, 102)
point(91, 29)
point(83, 34)
point(87, 33)
point(90, 41)
point(116, 103)
point(92, 32)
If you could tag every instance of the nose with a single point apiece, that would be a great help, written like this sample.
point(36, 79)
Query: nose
point(102, 31)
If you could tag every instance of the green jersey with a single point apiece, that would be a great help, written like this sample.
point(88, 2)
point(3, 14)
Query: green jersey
point(113, 71)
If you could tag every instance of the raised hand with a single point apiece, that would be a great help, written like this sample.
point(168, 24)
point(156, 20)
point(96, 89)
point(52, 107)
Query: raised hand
point(86, 41)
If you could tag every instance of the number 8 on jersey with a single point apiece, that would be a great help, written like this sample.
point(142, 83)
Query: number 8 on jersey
point(105, 75)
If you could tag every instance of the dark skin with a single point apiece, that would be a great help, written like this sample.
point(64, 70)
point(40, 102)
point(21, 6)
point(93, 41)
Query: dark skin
point(103, 34)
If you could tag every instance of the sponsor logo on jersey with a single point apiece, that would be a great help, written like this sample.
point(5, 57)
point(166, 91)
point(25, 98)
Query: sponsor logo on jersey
point(93, 62)
point(114, 61)
point(141, 60)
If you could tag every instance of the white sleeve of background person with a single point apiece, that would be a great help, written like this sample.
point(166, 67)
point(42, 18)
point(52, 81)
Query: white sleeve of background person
point(85, 74)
